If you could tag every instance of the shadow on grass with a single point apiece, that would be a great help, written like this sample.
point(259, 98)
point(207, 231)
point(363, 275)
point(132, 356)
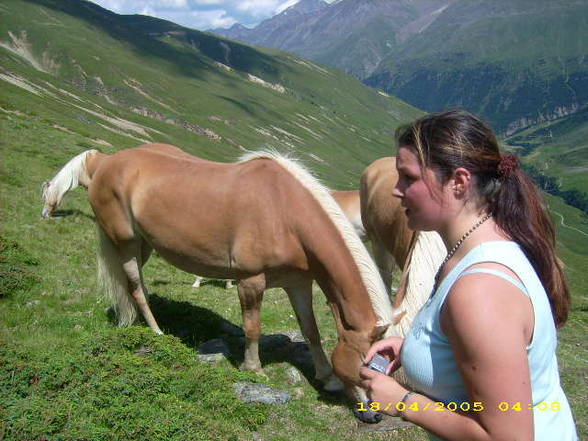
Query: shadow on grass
point(74, 212)
point(195, 325)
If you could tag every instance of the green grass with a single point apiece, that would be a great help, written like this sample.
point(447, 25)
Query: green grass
point(66, 371)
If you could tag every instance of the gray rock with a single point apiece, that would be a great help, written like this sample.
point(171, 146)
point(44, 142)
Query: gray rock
point(294, 376)
point(211, 358)
point(260, 393)
point(295, 336)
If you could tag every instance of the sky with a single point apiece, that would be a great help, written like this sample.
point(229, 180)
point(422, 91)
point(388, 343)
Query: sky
point(202, 14)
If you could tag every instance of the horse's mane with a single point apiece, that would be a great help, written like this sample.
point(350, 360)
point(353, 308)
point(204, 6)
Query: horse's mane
point(66, 179)
point(424, 259)
point(367, 269)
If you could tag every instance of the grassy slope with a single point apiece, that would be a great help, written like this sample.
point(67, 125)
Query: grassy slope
point(172, 75)
point(559, 148)
point(65, 371)
point(490, 58)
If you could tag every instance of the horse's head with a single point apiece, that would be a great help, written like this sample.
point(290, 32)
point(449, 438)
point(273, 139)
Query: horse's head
point(347, 358)
point(49, 201)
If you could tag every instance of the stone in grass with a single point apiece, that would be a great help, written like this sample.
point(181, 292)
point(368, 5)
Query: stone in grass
point(213, 350)
point(260, 393)
point(293, 376)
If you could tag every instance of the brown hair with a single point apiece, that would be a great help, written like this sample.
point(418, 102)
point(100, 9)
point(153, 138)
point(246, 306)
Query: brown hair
point(456, 138)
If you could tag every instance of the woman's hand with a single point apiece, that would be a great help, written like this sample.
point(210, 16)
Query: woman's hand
point(383, 391)
point(389, 348)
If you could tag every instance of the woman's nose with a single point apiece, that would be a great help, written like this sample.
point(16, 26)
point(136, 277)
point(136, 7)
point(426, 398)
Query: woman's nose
point(396, 192)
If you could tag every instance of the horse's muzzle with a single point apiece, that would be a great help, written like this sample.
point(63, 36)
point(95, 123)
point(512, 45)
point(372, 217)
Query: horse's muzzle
point(365, 414)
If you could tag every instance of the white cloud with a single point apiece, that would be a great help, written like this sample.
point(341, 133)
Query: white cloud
point(217, 18)
point(202, 14)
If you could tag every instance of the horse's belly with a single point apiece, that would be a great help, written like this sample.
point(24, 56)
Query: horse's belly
point(206, 266)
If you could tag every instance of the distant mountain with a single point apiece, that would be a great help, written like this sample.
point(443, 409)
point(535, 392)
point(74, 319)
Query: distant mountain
point(352, 35)
point(517, 63)
point(111, 81)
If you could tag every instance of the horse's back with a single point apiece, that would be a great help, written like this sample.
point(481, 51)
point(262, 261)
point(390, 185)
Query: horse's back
point(229, 214)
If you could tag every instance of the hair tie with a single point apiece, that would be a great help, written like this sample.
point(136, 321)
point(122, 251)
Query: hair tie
point(508, 165)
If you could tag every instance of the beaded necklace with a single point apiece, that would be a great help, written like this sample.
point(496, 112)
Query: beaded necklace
point(456, 246)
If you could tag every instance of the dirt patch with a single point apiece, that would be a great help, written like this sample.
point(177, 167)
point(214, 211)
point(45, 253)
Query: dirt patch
point(135, 85)
point(101, 142)
point(257, 80)
point(20, 82)
point(21, 47)
point(12, 112)
point(63, 129)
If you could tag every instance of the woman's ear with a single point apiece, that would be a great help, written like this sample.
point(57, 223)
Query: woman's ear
point(461, 181)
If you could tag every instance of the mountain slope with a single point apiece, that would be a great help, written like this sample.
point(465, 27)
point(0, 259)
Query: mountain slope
point(558, 149)
point(352, 35)
point(516, 63)
point(123, 80)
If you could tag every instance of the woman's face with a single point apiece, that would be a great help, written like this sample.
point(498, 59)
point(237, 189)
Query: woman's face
point(419, 191)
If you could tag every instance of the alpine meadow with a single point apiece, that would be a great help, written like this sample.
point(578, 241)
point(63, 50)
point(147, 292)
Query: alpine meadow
point(75, 77)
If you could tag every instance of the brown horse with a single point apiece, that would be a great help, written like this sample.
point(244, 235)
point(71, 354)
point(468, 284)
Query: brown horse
point(263, 221)
point(79, 171)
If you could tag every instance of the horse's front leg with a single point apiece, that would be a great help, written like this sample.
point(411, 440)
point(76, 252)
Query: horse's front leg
point(301, 300)
point(250, 295)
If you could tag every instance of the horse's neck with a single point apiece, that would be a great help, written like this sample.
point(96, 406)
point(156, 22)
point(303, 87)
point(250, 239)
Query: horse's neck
point(350, 280)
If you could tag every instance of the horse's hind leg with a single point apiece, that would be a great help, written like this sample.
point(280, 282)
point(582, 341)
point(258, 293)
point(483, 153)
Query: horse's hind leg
point(250, 295)
point(133, 255)
point(301, 300)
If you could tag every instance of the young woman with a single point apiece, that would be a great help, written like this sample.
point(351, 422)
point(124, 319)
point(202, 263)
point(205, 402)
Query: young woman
point(481, 352)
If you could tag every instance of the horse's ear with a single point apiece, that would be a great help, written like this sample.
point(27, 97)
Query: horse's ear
point(379, 331)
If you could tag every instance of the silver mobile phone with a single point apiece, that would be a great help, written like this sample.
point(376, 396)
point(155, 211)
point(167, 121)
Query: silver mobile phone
point(379, 363)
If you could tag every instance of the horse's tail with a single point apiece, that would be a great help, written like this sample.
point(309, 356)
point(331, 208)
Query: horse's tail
point(69, 177)
point(425, 255)
point(113, 281)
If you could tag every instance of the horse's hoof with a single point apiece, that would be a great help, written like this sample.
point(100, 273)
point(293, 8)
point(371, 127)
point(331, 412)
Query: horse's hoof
point(367, 416)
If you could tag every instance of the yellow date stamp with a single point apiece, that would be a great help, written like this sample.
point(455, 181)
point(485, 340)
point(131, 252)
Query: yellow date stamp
point(451, 406)
point(437, 406)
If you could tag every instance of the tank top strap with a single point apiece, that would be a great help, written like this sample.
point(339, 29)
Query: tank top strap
point(497, 273)
point(506, 253)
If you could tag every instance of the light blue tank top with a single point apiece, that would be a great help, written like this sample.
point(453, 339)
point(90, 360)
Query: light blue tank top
point(427, 357)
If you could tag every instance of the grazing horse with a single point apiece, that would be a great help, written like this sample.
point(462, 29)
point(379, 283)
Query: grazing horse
point(418, 254)
point(264, 221)
point(80, 169)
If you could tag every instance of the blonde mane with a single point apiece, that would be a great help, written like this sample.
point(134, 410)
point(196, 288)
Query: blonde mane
point(66, 179)
point(425, 259)
point(367, 269)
